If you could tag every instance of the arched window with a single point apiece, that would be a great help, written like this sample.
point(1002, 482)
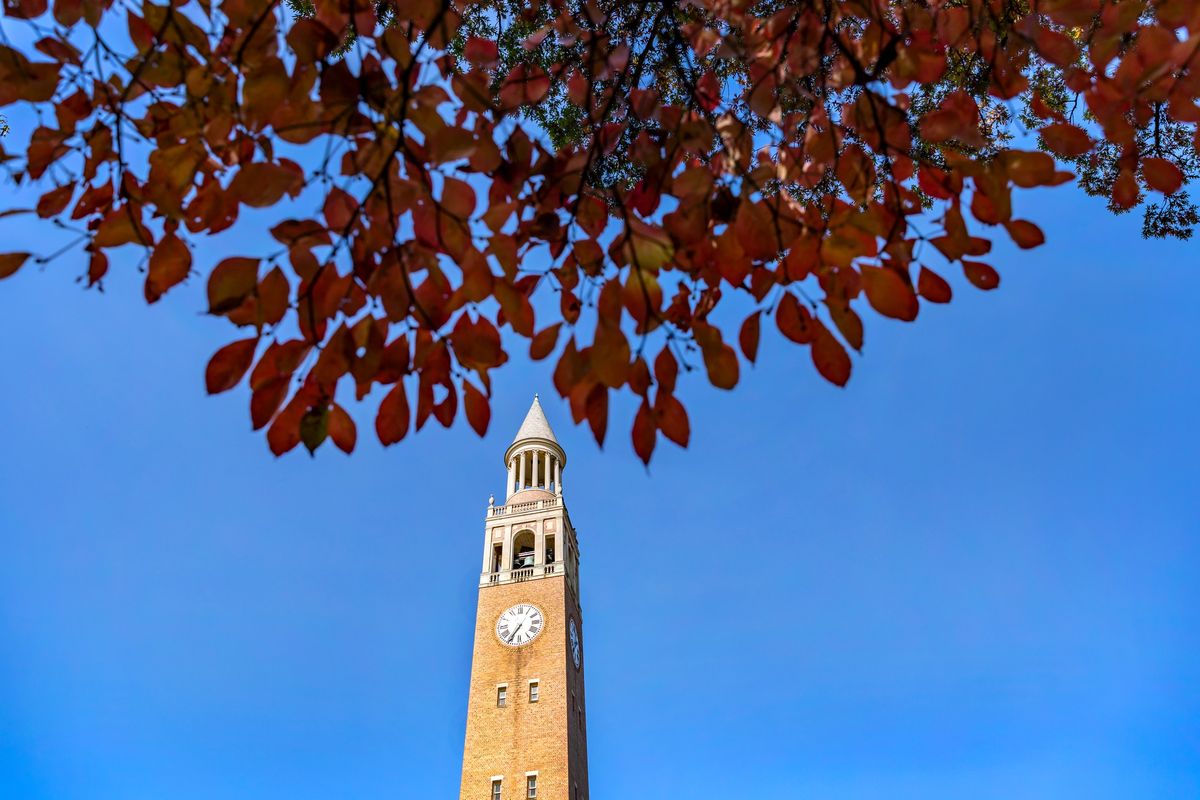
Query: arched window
point(523, 550)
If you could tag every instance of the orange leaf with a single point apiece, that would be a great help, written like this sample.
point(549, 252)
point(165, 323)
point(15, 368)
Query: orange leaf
point(1162, 175)
point(672, 418)
point(54, 201)
point(543, 344)
point(1025, 233)
point(719, 358)
point(391, 423)
point(889, 293)
point(748, 336)
point(666, 369)
point(169, 265)
point(1066, 139)
point(793, 320)
point(230, 283)
point(1125, 190)
point(644, 432)
point(980, 274)
point(284, 433)
point(933, 287)
point(339, 209)
point(228, 365)
point(479, 413)
point(829, 356)
point(342, 429)
point(11, 262)
point(262, 185)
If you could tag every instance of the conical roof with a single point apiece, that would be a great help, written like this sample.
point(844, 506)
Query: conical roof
point(535, 426)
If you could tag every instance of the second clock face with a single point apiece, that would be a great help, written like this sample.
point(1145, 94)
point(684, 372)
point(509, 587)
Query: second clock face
point(520, 625)
point(574, 636)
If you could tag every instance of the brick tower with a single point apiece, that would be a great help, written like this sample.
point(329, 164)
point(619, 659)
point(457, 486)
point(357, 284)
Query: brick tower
point(526, 721)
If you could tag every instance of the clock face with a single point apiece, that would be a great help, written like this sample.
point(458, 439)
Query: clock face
point(520, 625)
point(574, 636)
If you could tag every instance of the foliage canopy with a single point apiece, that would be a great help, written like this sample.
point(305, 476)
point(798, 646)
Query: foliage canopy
point(627, 169)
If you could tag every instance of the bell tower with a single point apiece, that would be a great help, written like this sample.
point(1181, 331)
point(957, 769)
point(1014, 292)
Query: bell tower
point(526, 712)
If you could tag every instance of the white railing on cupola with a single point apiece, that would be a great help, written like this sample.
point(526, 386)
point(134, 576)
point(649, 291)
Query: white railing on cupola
point(520, 508)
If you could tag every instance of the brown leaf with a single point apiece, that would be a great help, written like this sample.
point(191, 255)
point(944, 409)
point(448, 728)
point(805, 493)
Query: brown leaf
point(1066, 139)
point(1025, 233)
point(1162, 175)
point(793, 319)
point(342, 429)
point(672, 418)
point(228, 365)
point(748, 336)
point(542, 345)
point(230, 283)
point(392, 421)
point(11, 262)
point(645, 433)
point(829, 357)
point(479, 412)
point(889, 294)
point(933, 287)
point(981, 274)
point(55, 201)
point(170, 263)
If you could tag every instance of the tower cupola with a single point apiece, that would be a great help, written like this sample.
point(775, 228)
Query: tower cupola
point(534, 460)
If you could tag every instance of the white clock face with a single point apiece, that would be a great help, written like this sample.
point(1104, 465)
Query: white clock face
point(520, 625)
point(575, 650)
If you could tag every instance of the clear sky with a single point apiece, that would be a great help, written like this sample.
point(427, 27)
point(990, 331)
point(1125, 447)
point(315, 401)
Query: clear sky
point(974, 573)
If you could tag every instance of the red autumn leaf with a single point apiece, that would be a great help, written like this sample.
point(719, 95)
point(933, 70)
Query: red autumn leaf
point(933, 287)
point(481, 52)
point(980, 274)
point(719, 358)
point(284, 433)
point(889, 294)
point(458, 198)
point(1066, 139)
point(170, 263)
point(55, 201)
point(228, 365)
point(339, 209)
point(748, 336)
point(392, 421)
point(542, 345)
point(262, 185)
point(1162, 175)
point(794, 320)
point(1025, 233)
point(479, 412)
point(342, 429)
point(230, 283)
point(645, 433)
point(829, 357)
point(11, 262)
point(1125, 190)
point(672, 418)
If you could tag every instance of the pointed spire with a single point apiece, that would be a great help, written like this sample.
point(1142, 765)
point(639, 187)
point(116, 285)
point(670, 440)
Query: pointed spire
point(535, 426)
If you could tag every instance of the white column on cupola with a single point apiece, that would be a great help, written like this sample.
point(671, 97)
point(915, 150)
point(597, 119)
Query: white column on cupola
point(512, 477)
point(535, 459)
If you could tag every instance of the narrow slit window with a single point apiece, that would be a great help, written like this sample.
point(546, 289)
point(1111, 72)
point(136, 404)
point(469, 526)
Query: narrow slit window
point(531, 786)
point(533, 693)
point(501, 696)
point(496, 789)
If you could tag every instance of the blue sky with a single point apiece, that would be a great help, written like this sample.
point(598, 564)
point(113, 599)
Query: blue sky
point(972, 573)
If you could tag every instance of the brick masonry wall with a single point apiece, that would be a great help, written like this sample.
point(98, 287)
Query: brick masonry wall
point(545, 736)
